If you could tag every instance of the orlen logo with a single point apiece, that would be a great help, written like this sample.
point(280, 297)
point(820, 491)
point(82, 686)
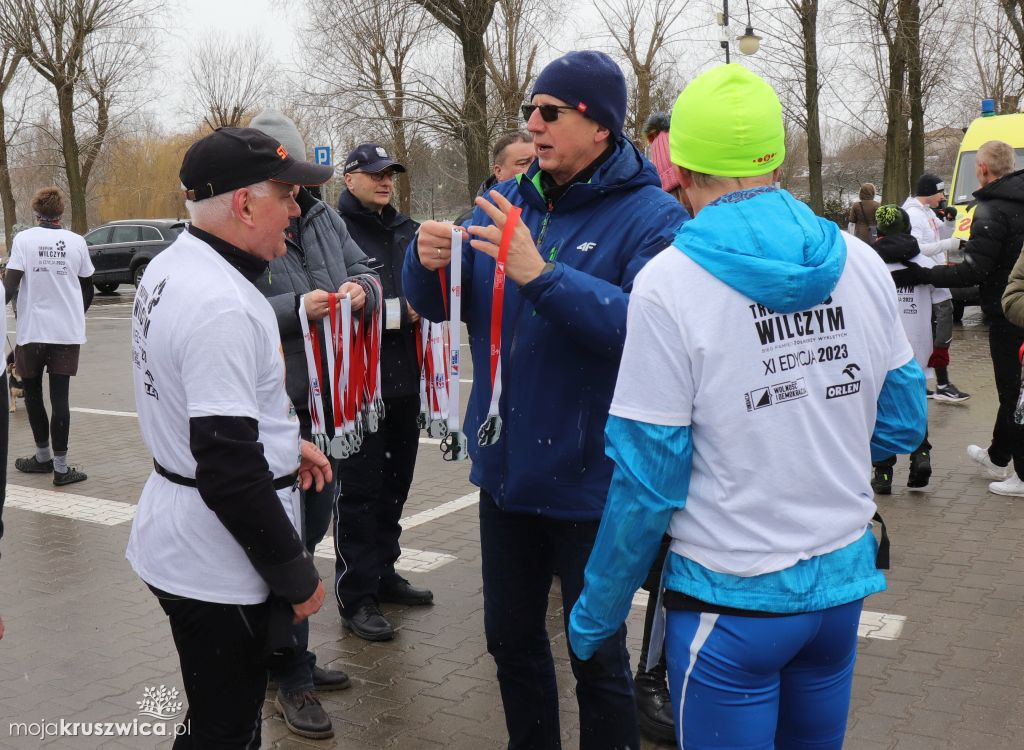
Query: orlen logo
point(282, 152)
point(964, 225)
point(765, 158)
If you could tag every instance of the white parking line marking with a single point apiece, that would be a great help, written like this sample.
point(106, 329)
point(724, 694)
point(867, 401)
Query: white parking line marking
point(66, 505)
point(418, 519)
point(879, 625)
point(104, 412)
point(411, 561)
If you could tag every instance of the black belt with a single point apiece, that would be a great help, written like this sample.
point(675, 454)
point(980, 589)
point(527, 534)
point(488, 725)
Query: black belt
point(280, 483)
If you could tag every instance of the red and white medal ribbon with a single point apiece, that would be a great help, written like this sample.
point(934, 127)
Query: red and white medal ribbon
point(490, 431)
point(314, 370)
point(339, 310)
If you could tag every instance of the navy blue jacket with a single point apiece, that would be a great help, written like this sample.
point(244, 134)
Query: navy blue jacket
point(562, 334)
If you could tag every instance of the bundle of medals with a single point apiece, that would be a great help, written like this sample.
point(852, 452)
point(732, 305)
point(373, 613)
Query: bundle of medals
point(351, 376)
point(438, 351)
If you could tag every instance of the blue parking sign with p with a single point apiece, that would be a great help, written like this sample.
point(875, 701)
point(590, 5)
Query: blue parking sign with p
point(322, 155)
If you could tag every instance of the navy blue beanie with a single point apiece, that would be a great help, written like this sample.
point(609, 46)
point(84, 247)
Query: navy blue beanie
point(590, 81)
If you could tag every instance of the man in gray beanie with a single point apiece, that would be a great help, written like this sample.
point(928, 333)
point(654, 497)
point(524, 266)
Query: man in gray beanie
point(593, 213)
point(321, 257)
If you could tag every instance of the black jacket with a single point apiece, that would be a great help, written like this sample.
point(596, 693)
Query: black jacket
point(322, 256)
point(384, 237)
point(997, 232)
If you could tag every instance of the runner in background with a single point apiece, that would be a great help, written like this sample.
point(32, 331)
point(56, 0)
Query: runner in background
point(51, 274)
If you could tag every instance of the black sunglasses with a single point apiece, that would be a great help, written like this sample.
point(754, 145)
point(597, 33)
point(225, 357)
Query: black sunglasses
point(548, 112)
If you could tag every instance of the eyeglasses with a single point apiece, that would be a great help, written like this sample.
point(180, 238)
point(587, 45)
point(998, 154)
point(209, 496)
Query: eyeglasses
point(548, 112)
point(388, 174)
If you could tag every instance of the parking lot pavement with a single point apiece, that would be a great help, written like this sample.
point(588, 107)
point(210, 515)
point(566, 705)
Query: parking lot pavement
point(940, 662)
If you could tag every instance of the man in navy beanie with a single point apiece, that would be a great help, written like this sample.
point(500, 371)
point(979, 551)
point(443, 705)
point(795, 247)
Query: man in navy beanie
point(593, 213)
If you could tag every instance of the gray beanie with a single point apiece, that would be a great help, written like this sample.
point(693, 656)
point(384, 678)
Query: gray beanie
point(276, 125)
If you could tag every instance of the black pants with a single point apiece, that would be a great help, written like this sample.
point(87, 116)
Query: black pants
point(1004, 342)
point(374, 484)
point(520, 554)
point(890, 462)
point(58, 425)
point(652, 585)
point(220, 647)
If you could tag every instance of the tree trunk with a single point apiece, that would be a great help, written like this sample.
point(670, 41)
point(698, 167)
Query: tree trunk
point(643, 103)
point(474, 129)
point(72, 167)
point(895, 174)
point(915, 95)
point(809, 24)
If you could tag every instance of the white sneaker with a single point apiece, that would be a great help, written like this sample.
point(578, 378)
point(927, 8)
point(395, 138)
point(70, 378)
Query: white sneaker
point(980, 456)
point(1014, 487)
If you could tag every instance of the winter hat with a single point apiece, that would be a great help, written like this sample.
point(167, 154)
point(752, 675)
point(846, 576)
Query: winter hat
point(276, 125)
point(589, 81)
point(929, 184)
point(728, 122)
point(891, 219)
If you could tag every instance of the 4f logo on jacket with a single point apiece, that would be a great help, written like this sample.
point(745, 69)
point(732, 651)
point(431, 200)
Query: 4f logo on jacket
point(586, 246)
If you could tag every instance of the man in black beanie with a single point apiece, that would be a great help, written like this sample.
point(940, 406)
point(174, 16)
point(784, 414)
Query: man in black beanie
point(593, 213)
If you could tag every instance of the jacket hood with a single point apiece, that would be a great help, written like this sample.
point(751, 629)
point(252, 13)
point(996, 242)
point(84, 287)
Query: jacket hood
point(896, 248)
point(625, 169)
point(768, 246)
point(1007, 188)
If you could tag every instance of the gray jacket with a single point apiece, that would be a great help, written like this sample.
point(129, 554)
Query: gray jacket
point(323, 255)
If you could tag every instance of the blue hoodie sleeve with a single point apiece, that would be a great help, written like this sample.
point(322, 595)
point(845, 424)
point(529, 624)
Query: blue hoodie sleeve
point(590, 310)
point(423, 289)
point(902, 419)
point(650, 482)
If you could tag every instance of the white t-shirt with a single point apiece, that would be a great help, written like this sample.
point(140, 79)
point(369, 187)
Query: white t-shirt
point(915, 303)
point(50, 306)
point(781, 406)
point(205, 342)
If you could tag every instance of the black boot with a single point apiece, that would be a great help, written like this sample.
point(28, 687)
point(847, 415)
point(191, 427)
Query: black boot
point(653, 705)
point(920, 469)
point(881, 482)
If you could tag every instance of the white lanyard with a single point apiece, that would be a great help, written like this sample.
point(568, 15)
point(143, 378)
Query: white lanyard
point(454, 446)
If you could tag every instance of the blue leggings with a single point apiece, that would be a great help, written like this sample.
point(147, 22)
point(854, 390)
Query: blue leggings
point(757, 683)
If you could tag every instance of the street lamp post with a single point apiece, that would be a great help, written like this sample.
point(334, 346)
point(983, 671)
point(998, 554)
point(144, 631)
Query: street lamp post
point(749, 42)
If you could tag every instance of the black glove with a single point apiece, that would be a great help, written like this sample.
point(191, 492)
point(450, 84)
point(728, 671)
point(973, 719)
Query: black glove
point(950, 212)
point(912, 275)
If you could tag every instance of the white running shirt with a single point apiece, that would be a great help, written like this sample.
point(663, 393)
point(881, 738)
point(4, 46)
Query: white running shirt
point(781, 406)
point(205, 342)
point(50, 306)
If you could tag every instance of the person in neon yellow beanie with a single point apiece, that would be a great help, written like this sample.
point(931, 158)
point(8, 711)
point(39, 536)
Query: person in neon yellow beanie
point(764, 365)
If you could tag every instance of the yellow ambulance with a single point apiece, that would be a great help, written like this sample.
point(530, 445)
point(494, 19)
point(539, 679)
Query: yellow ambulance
point(988, 127)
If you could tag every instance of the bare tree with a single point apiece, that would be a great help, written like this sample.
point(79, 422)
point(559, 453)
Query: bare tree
point(643, 32)
point(468, 21)
point(228, 79)
point(64, 43)
point(514, 38)
point(9, 61)
point(793, 62)
point(363, 72)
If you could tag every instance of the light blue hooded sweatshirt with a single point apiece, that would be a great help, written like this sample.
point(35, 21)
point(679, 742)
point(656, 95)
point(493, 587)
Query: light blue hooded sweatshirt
point(771, 248)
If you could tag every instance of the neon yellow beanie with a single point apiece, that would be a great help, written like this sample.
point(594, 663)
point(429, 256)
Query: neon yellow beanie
point(728, 122)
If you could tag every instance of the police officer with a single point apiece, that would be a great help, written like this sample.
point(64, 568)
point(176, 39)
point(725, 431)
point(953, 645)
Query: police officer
point(375, 482)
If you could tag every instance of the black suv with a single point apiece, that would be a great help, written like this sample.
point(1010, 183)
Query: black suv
point(120, 250)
